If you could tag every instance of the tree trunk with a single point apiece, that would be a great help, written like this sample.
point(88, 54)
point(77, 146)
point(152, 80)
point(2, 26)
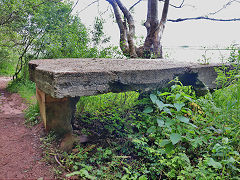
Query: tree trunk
point(152, 47)
point(152, 44)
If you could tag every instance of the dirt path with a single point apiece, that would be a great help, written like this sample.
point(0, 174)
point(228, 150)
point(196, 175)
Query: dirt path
point(20, 152)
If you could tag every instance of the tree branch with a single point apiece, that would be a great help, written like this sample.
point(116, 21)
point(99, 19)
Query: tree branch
point(172, 5)
point(123, 32)
point(89, 5)
point(203, 18)
point(131, 26)
point(224, 7)
point(134, 5)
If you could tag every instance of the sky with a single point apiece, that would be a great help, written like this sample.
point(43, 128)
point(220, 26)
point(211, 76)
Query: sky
point(191, 33)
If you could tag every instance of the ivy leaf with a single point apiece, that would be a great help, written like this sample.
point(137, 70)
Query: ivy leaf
point(179, 106)
point(153, 98)
point(213, 163)
point(175, 138)
point(183, 119)
point(148, 110)
point(160, 122)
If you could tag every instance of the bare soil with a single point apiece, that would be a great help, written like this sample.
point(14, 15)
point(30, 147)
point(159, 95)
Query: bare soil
point(20, 152)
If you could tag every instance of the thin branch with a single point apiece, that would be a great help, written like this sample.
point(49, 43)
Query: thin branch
point(74, 6)
point(204, 18)
point(89, 5)
point(134, 5)
point(224, 7)
point(180, 6)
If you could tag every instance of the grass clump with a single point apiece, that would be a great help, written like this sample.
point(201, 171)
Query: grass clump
point(27, 91)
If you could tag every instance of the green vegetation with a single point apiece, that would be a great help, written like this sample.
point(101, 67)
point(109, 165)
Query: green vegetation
point(169, 134)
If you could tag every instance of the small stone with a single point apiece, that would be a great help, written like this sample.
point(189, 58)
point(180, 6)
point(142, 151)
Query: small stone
point(83, 139)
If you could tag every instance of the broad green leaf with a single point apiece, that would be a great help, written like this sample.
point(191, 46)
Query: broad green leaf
point(160, 105)
point(169, 105)
point(185, 158)
point(148, 110)
point(175, 138)
point(177, 96)
point(213, 163)
point(169, 147)
point(183, 119)
point(151, 130)
point(164, 142)
point(179, 106)
point(160, 122)
point(166, 110)
point(143, 177)
point(225, 140)
point(153, 98)
point(169, 122)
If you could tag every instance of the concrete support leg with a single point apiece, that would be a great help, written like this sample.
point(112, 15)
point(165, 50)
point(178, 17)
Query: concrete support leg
point(57, 115)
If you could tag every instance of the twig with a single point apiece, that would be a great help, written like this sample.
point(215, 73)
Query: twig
point(89, 5)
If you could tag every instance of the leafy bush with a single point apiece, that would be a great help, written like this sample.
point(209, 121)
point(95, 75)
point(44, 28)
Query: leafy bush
point(171, 134)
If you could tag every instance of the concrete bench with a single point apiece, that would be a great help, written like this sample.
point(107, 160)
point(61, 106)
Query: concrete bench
point(60, 82)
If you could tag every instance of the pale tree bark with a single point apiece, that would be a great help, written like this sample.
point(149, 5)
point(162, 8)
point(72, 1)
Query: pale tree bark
point(152, 47)
point(155, 28)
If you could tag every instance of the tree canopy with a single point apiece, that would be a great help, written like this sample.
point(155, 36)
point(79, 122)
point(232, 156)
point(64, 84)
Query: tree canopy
point(45, 29)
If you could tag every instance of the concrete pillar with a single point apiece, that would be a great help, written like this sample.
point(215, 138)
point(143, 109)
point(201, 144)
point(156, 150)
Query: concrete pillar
point(57, 115)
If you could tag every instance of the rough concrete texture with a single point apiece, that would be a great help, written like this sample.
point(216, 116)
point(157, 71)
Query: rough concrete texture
point(83, 77)
point(56, 113)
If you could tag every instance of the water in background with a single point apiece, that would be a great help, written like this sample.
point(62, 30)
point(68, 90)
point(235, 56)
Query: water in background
point(197, 54)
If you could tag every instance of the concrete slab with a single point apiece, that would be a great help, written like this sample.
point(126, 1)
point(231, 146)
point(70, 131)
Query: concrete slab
point(83, 77)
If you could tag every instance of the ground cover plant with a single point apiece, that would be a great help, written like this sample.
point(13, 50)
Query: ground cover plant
point(169, 134)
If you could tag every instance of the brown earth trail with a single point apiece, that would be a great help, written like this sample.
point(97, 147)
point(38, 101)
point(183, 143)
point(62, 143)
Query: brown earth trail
point(20, 152)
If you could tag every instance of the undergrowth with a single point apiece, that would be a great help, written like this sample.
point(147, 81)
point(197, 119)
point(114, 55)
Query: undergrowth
point(171, 134)
point(27, 91)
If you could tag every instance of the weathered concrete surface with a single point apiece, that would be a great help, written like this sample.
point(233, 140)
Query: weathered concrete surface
point(83, 77)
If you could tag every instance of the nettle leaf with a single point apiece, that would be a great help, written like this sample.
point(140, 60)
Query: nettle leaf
point(164, 142)
point(175, 138)
point(143, 177)
point(151, 130)
point(225, 140)
point(160, 122)
point(169, 105)
point(153, 98)
point(169, 147)
point(160, 105)
point(148, 110)
point(169, 122)
point(177, 96)
point(166, 110)
point(213, 163)
point(183, 119)
point(179, 106)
